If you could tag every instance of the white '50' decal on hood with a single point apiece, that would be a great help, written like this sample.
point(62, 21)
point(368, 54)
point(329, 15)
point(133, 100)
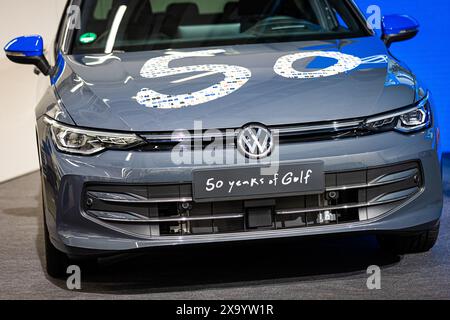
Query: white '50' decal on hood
point(234, 76)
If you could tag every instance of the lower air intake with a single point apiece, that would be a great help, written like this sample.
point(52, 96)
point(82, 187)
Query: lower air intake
point(169, 210)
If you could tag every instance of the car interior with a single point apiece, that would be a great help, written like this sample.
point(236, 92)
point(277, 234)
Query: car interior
point(148, 21)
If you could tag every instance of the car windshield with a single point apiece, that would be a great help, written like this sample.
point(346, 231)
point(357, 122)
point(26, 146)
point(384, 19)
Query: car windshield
point(108, 26)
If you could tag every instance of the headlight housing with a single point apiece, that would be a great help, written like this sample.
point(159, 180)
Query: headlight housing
point(413, 119)
point(87, 142)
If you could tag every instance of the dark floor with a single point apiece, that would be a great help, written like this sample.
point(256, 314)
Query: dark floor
point(307, 269)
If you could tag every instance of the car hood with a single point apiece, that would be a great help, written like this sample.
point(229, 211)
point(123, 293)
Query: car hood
point(108, 91)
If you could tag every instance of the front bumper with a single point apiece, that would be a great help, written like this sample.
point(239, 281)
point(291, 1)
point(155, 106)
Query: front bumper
point(74, 232)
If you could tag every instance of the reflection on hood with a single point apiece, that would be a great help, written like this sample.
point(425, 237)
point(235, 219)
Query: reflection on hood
point(232, 86)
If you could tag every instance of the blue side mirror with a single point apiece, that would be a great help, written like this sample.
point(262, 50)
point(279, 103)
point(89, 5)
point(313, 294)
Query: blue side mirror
point(28, 50)
point(399, 28)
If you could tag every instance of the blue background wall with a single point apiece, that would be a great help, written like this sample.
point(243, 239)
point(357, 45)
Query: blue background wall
point(429, 53)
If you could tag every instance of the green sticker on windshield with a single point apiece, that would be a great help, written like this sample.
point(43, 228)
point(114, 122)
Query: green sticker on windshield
point(88, 38)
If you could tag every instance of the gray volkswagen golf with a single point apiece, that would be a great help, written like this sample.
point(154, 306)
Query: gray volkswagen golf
point(168, 122)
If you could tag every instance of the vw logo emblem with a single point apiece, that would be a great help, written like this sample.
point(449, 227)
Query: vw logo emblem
point(255, 141)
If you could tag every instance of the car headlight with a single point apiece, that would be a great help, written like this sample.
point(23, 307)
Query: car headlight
point(87, 142)
point(409, 120)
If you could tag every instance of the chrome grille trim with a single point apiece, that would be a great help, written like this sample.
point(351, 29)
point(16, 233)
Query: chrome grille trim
point(330, 127)
point(395, 196)
point(381, 200)
point(170, 210)
point(170, 219)
point(173, 138)
point(118, 200)
point(283, 131)
point(380, 181)
point(394, 177)
point(376, 202)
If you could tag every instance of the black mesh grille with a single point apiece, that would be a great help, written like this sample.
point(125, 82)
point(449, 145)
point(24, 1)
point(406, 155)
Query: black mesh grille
point(168, 210)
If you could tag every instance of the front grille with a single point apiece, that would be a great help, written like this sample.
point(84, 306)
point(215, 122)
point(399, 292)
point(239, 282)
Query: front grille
point(164, 141)
point(169, 210)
